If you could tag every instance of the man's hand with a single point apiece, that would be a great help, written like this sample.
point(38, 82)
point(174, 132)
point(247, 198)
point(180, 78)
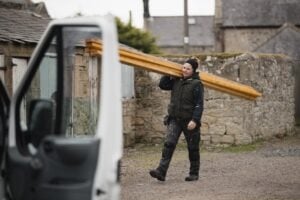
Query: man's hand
point(191, 125)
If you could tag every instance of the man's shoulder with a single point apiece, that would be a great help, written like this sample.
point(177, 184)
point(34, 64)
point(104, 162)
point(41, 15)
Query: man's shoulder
point(196, 81)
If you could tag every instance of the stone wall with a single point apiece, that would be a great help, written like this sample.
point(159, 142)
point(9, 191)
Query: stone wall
point(226, 119)
point(246, 39)
point(179, 49)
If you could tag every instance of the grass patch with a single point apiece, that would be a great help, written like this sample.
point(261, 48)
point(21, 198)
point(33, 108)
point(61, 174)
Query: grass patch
point(147, 156)
point(148, 147)
point(242, 148)
point(182, 146)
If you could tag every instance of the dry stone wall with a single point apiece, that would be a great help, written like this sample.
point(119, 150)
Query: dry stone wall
point(226, 119)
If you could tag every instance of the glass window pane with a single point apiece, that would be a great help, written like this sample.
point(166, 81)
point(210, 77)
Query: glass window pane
point(42, 90)
point(82, 50)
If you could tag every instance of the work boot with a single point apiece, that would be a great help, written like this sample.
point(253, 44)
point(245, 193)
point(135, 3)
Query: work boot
point(192, 177)
point(155, 173)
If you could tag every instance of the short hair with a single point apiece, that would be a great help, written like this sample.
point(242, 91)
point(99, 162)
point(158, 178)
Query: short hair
point(193, 62)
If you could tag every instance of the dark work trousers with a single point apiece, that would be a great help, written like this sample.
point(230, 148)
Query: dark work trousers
point(174, 130)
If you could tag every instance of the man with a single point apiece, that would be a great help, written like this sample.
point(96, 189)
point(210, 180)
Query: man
point(184, 115)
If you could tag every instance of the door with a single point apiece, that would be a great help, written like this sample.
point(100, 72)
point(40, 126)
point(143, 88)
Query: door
point(20, 66)
point(19, 69)
point(65, 129)
point(4, 105)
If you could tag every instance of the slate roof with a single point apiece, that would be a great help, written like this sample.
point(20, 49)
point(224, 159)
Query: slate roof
point(21, 26)
point(285, 41)
point(14, 1)
point(246, 13)
point(169, 30)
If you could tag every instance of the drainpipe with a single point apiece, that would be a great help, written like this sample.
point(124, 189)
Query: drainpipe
point(186, 28)
point(147, 17)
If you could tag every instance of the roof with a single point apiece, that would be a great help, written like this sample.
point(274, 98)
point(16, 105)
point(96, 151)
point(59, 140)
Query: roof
point(21, 26)
point(245, 13)
point(14, 1)
point(169, 30)
point(285, 41)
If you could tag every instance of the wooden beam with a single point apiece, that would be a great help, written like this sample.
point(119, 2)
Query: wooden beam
point(148, 62)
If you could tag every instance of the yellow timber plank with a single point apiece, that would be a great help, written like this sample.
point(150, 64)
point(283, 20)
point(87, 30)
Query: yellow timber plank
point(159, 65)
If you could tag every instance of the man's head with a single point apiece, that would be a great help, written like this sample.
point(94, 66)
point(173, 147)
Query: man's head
point(193, 62)
point(189, 67)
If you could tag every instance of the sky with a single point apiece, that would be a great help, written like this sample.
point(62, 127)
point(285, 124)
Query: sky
point(122, 8)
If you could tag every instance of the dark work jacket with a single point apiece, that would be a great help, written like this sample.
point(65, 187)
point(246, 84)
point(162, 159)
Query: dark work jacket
point(186, 97)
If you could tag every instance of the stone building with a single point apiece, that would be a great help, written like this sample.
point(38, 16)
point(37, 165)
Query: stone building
point(269, 26)
point(21, 26)
point(169, 32)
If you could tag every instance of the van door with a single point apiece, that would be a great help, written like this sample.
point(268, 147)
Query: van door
point(65, 126)
point(4, 106)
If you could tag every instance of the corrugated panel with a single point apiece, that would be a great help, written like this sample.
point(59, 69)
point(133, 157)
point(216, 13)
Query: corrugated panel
point(127, 81)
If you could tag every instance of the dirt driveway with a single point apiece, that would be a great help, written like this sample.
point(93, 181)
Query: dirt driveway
point(264, 171)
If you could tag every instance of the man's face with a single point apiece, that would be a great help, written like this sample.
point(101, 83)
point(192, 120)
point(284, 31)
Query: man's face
point(187, 70)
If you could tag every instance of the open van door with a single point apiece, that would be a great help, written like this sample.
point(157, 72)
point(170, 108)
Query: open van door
point(65, 120)
point(4, 110)
point(4, 107)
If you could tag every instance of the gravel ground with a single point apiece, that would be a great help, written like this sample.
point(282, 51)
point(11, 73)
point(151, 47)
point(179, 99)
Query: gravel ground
point(269, 171)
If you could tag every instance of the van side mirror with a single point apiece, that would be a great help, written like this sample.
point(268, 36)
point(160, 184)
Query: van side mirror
point(41, 120)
